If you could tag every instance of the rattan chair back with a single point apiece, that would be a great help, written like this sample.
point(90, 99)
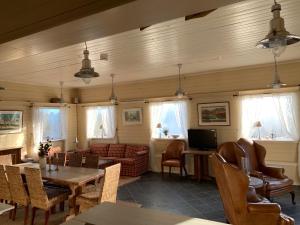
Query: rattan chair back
point(75, 160)
point(38, 196)
point(109, 184)
point(4, 187)
point(17, 189)
point(91, 161)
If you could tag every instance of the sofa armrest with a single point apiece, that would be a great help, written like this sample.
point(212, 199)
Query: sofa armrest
point(264, 208)
point(276, 172)
point(139, 153)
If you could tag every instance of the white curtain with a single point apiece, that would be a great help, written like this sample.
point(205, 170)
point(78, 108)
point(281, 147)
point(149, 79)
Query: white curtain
point(49, 122)
point(270, 116)
point(37, 128)
point(101, 122)
point(172, 116)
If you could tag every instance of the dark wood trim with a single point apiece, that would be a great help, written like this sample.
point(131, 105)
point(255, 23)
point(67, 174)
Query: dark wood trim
point(14, 152)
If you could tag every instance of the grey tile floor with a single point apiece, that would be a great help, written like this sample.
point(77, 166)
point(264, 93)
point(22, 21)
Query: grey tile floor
point(186, 197)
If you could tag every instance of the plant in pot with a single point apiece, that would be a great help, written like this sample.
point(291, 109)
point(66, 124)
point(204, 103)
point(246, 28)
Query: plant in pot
point(165, 131)
point(43, 153)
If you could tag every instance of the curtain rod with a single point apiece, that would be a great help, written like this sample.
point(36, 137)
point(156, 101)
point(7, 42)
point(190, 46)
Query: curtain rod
point(268, 91)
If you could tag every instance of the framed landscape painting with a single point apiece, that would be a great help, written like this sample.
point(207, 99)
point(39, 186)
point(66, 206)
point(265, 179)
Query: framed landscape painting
point(132, 116)
point(214, 114)
point(11, 122)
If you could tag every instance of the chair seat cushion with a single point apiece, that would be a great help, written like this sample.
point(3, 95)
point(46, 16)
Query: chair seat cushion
point(275, 183)
point(54, 191)
point(171, 162)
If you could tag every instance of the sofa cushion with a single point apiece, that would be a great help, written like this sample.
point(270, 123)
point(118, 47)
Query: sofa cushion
point(116, 150)
point(100, 149)
point(132, 149)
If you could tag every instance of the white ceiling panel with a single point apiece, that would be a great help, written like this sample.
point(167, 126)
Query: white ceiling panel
point(224, 39)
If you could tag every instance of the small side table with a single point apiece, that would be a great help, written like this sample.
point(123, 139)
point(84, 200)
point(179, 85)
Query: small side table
point(5, 208)
point(200, 163)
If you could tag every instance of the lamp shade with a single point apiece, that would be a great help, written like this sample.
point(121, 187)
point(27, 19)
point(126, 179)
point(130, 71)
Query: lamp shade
point(257, 124)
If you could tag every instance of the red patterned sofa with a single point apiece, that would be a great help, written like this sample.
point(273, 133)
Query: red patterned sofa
point(133, 158)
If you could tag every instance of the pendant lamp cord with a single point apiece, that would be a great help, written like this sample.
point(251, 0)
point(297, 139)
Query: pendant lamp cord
point(179, 75)
point(85, 45)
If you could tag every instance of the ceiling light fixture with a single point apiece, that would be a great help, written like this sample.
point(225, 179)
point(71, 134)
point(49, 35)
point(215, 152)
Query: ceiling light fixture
point(276, 79)
point(278, 37)
point(86, 72)
point(179, 92)
point(113, 98)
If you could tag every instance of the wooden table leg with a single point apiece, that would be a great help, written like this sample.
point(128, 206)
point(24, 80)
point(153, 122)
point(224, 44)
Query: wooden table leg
point(197, 165)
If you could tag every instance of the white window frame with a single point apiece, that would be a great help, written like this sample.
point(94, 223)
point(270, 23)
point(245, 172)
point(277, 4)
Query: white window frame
point(272, 117)
point(157, 109)
point(100, 122)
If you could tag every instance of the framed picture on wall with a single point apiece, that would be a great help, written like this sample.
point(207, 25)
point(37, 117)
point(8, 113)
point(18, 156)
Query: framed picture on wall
point(214, 114)
point(132, 116)
point(11, 122)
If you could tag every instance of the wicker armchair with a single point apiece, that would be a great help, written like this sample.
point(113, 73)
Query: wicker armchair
point(108, 189)
point(18, 191)
point(42, 197)
point(75, 160)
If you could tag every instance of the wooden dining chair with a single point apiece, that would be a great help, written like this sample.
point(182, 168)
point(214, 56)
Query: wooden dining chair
point(107, 189)
point(91, 161)
point(18, 191)
point(61, 158)
point(75, 160)
point(42, 197)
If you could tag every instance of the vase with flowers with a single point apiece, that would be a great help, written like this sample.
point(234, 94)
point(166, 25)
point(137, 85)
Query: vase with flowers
point(43, 152)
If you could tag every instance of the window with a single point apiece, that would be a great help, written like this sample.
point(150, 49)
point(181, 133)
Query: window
point(270, 116)
point(169, 118)
point(49, 122)
point(101, 122)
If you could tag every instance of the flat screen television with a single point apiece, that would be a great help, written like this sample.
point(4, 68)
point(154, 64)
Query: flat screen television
point(202, 139)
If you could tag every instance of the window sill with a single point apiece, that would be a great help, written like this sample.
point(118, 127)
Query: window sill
point(167, 139)
point(273, 140)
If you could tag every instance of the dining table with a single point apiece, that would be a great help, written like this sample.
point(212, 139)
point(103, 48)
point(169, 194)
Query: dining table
point(73, 177)
point(116, 214)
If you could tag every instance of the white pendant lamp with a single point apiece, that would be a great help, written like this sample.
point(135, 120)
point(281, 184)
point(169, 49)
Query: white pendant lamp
point(86, 72)
point(278, 37)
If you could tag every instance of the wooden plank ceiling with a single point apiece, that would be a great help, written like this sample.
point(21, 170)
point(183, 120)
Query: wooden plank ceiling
point(223, 39)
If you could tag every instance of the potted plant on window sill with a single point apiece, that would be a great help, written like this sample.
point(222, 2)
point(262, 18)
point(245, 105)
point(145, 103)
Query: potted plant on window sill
point(43, 153)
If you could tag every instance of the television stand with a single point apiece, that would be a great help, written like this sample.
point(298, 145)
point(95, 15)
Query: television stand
point(200, 163)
